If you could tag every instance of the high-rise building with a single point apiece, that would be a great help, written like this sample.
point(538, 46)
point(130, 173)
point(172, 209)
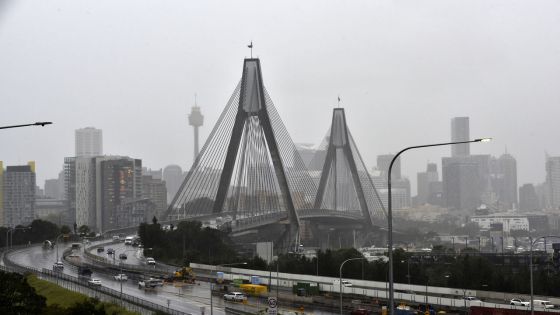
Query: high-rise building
point(466, 181)
point(52, 188)
point(19, 194)
point(89, 142)
point(120, 181)
point(173, 177)
point(383, 163)
point(154, 189)
point(503, 175)
point(1, 193)
point(528, 200)
point(424, 180)
point(70, 185)
point(553, 182)
point(460, 132)
point(85, 191)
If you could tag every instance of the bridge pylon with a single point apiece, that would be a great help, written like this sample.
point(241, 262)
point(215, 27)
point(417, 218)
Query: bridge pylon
point(248, 174)
point(345, 184)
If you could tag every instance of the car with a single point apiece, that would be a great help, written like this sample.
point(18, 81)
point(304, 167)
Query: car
point(110, 251)
point(94, 282)
point(121, 277)
point(122, 256)
point(519, 302)
point(543, 304)
point(116, 238)
point(235, 297)
point(360, 311)
point(150, 261)
point(146, 284)
point(100, 249)
point(58, 265)
point(472, 299)
point(346, 283)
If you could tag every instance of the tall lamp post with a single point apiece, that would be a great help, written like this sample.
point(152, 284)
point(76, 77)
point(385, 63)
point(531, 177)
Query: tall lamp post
point(57, 242)
point(10, 230)
point(212, 283)
point(390, 209)
point(531, 264)
point(340, 278)
point(121, 266)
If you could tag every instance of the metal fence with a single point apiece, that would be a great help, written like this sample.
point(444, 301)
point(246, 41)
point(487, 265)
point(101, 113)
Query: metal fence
point(105, 294)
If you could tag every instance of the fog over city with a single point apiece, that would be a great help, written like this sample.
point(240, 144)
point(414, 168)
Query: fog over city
point(402, 69)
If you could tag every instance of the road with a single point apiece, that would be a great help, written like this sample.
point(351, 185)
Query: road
point(187, 299)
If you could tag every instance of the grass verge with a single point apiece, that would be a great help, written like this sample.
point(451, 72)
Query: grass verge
point(65, 298)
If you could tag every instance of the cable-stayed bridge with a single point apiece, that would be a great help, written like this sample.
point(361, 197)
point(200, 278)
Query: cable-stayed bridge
point(251, 177)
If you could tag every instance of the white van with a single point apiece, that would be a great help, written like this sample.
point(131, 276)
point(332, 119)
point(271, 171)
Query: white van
point(128, 240)
point(543, 304)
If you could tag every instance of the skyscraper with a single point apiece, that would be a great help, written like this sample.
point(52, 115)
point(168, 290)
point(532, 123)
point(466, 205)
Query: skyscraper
point(424, 180)
point(89, 142)
point(553, 182)
point(19, 194)
point(173, 177)
point(503, 174)
point(383, 163)
point(528, 200)
point(465, 180)
point(460, 132)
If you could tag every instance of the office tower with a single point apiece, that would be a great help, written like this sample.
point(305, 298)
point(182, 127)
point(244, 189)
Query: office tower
point(19, 194)
point(85, 192)
point(173, 177)
point(70, 185)
point(154, 189)
point(196, 120)
point(552, 182)
point(52, 188)
point(503, 174)
point(424, 179)
point(460, 132)
point(528, 200)
point(119, 180)
point(466, 181)
point(383, 163)
point(1, 193)
point(89, 142)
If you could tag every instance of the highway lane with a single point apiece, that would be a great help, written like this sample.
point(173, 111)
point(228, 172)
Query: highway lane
point(186, 299)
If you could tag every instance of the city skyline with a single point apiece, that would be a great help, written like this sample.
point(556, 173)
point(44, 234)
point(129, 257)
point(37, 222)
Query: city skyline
point(376, 88)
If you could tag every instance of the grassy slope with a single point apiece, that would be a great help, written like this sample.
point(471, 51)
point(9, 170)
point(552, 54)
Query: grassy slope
point(66, 298)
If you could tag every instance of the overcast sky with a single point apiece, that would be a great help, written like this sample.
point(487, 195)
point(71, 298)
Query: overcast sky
point(402, 68)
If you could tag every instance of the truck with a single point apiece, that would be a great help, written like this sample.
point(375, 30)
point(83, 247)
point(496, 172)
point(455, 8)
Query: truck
point(84, 272)
point(185, 274)
point(253, 289)
point(305, 289)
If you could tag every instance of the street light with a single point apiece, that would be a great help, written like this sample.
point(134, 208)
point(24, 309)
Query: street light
point(212, 283)
point(121, 266)
point(10, 230)
point(390, 208)
point(340, 278)
point(531, 264)
point(56, 240)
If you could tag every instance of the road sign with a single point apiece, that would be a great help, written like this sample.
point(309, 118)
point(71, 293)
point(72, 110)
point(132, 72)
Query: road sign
point(272, 306)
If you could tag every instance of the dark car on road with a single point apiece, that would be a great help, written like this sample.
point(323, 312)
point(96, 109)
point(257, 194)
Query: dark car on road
point(123, 256)
point(100, 249)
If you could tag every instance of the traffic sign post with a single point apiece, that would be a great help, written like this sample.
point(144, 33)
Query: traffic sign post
point(272, 306)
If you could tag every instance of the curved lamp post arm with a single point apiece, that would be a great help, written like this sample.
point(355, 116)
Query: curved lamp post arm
point(390, 210)
point(340, 277)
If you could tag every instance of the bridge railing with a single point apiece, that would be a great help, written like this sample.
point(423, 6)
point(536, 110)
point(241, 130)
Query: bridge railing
point(81, 285)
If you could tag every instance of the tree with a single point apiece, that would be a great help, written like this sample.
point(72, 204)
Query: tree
point(84, 230)
point(17, 296)
point(65, 229)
